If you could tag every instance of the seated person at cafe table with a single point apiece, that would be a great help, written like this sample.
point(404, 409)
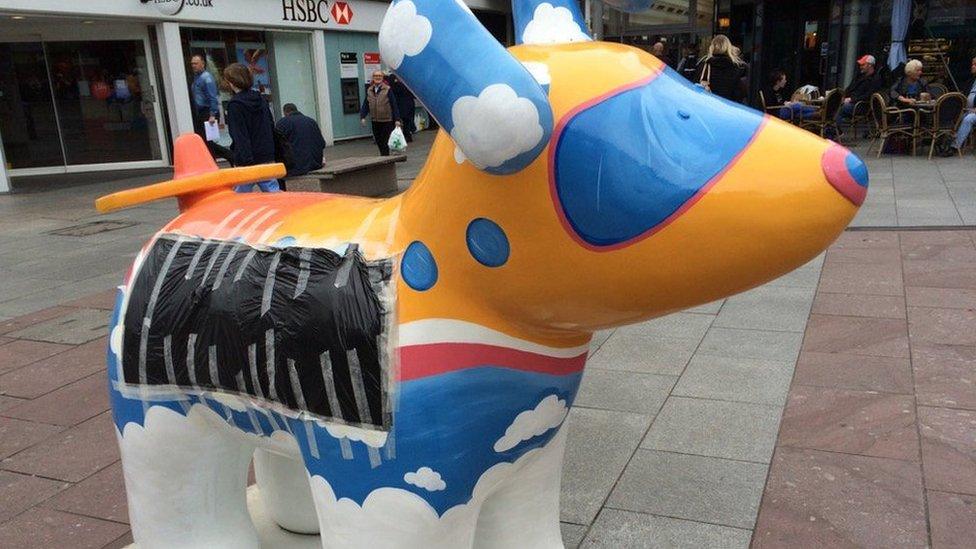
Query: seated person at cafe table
point(969, 117)
point(910, 88)
point(774, 95)
point(867, 82)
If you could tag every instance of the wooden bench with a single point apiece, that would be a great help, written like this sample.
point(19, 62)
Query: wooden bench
point(360, 175)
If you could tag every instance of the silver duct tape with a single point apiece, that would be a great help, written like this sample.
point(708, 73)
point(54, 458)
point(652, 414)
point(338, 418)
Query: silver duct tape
point(313, 444)
point(304, 271)
point(296, 386)
point(191, 367)
point(252, 362)
point(247, 261)
point(345, 447)
point(196, 260)
point(269, 284)
point(374, 457)
point(239, 378)
point(325, 363)
point(212, 365)
point(225, 264)
point(358, 386)
point(269, 356)
point(153, 298)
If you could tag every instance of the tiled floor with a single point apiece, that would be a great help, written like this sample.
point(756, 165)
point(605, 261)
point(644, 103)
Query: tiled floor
point(836, 404)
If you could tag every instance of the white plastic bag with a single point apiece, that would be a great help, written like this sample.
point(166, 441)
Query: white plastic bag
point(397, 141)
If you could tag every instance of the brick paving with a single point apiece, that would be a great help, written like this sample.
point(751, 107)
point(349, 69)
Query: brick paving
point(836, 404)
point(877, 445)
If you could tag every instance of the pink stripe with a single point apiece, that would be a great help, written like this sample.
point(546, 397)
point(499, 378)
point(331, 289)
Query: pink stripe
point(419, 361)
point(568, 227)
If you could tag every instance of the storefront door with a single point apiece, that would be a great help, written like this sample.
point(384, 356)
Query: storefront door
point(796, 40)
point(78, 105)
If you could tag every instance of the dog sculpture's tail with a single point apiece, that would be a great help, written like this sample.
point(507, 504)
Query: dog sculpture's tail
point(195, 177)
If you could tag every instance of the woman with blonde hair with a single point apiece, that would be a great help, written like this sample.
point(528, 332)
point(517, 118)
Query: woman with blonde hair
point(910, 87)
point(722, 70)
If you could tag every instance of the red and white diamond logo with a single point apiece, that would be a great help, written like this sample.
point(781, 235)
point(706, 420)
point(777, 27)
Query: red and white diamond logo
point(341, 13)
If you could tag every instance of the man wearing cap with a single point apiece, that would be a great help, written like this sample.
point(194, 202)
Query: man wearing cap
point(865, 84)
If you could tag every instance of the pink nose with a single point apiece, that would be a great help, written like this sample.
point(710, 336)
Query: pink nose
point(846, 173)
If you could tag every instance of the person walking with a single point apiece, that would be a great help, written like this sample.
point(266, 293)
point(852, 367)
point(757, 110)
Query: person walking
point(305, 137)
point(251, 125)
point(722, 70)
point(406, 104)
point(381, 106)
point(206, 105)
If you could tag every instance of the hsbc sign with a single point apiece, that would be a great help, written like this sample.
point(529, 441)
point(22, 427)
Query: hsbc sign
point(342, 13)
point(316, 11)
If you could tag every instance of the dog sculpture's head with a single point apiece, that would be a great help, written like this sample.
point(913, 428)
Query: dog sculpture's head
point(586, 185)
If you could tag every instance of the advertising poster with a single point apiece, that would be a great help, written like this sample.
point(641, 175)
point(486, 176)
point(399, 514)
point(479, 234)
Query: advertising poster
point(348, 65)
point(255, 57)
point(371, 64)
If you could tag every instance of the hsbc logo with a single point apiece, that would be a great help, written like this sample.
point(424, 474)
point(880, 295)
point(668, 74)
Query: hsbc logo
point(341, 13)
point(305, 11)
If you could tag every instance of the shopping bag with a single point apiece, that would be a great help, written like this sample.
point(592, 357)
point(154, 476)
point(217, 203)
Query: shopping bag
point(213, 131)
point(397, 141)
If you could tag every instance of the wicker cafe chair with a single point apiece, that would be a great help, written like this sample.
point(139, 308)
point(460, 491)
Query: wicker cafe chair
point(890, 121)
point(772, 109)
point(827, 115)
point(938, 90)
point(948, 113)
point(860, 115)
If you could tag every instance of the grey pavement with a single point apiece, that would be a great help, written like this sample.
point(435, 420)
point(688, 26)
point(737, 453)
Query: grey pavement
point(671, 436)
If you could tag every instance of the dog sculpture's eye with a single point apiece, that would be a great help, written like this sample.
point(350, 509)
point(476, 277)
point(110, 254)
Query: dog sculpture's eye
point(630, 163)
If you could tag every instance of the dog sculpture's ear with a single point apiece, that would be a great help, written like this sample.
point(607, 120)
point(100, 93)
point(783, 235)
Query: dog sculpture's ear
point(496, 112)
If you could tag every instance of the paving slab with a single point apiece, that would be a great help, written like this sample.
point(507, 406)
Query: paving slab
point(945, 376)
point(826, 499)
point(615, 529)
point(704, 489)
point(69, 405)
point(72, 455)
point(600, 444)
point(101, 495)
point(77, 327)
point(859, 373)
point(572, 534)
point(16, 435)
point(21, 492)
point(678, 325)
point(649, 355)
point(948, 449)
point(852, 422)
point(873, 306)
point(886, 337)
point(758, 344)
point(731, 430)
point(54, 372)
point(754, 380)
point(953, 518)
point(19, 353)
point(623, 391)
point(40, 528)
point(768, 308)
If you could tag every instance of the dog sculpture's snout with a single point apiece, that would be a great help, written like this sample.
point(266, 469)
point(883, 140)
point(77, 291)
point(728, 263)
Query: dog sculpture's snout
point(846, 173)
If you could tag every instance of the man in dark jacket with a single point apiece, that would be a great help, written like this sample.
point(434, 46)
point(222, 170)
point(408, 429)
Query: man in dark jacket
point(250, 123)
point(381, 106)
point(867, 83)
point(406, 105)
point(305, 136)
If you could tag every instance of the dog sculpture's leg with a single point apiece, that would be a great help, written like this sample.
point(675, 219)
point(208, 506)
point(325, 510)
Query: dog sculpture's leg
point(283, 485)
point(524, 510)
point(185, 477)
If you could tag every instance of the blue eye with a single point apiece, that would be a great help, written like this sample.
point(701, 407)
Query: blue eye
point(628, 164)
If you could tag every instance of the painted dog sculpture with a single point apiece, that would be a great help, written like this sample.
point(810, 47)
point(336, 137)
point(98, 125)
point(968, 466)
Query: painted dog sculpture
point(400, 369)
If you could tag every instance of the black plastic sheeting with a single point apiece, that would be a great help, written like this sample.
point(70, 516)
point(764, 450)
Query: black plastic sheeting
point(303, 327)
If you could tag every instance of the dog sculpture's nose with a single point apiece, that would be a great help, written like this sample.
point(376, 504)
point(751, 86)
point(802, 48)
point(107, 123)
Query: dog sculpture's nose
point(846, 172)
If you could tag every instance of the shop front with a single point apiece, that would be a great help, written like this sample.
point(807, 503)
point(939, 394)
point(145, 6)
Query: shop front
point(818, 42)
point(104, 84)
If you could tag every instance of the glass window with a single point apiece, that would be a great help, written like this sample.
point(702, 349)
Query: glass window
point(294, 72)
point(28, 123)
point(100, 89)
